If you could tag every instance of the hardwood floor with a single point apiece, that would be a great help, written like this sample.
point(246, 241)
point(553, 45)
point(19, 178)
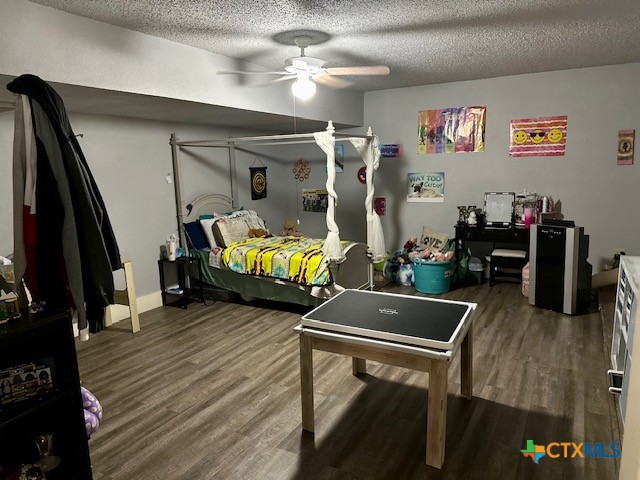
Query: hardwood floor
point(213, 392)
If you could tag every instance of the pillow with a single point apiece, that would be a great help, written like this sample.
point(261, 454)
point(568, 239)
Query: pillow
point(206, 216)
point(433, 239)
point(208, 232)
point(235, 227)
point(195, 234)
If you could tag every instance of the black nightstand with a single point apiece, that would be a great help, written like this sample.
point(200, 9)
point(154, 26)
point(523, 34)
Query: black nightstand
point(184, 266)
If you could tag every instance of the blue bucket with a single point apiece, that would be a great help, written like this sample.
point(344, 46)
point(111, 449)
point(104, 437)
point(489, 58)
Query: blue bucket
point(432, 277)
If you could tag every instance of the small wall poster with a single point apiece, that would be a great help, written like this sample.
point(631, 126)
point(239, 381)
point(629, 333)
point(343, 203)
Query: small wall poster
point(380, 205)
point(625, 146)
point(315, 200)
point(451, 130)
point(258, 182)
point(538, 137)
point(425, 187)
point(390, 150)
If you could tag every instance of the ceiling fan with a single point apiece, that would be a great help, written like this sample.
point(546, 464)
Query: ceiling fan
point(307, 71)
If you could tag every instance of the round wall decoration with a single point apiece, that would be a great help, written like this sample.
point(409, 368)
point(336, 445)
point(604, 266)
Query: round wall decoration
point(259, 183)
point(362, 174)
point(301, 169)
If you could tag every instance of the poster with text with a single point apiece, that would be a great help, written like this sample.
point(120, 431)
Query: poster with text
point(451, 130)
point(315, 200)
point(625, 146)
point(425, 187)
point(538, 137)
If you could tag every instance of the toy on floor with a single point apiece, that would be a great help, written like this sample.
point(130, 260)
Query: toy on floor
point(291, 229)
point(92, 411)
point(399, 267)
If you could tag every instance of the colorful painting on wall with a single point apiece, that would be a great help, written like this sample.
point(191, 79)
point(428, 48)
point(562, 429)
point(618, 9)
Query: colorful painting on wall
point(425, 187)
point(538, 137)
point(451, 130)
point(625, 146)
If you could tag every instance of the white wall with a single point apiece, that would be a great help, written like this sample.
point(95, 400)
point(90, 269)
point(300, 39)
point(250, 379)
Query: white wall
point(66, 48)
point(350, 211)
point(130, 159)
point(594, 191)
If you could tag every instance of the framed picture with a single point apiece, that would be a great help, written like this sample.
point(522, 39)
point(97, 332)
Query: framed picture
point(425, 187)
point(339, 154)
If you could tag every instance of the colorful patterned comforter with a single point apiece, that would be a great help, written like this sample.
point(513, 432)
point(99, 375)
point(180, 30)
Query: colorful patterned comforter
point(296, 259)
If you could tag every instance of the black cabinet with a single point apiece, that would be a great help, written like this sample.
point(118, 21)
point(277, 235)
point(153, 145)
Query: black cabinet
point(40, 349)
point(186, 292)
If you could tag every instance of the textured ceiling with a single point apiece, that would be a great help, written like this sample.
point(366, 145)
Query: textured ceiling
point(422, 42)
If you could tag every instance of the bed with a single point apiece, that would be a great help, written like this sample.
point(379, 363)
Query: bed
point(350, 265)
point(287, 269)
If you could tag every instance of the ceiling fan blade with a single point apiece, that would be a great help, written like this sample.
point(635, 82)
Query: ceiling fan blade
point(332, 82)
point(282, 79)
point(252, 73)
point(372, 70)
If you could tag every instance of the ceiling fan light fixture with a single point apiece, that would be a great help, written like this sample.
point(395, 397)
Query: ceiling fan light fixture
point(303, 88)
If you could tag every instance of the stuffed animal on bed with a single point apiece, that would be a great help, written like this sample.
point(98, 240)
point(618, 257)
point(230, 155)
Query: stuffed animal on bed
point(291, 229)
point(257, 232)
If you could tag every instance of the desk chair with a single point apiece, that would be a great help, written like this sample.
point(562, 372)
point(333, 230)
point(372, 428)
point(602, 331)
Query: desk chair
point(502, 258)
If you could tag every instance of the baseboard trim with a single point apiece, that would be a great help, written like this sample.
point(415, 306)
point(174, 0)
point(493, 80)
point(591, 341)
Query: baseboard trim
point(145, 303)
point(121, 312)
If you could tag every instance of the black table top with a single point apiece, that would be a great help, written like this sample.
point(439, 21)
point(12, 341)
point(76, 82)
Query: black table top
point(402, 318)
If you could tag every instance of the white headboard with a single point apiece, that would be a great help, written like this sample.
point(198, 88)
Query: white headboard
point(207, 205)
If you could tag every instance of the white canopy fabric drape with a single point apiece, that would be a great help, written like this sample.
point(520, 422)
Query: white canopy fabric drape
point(332, 248)
point(370, 152)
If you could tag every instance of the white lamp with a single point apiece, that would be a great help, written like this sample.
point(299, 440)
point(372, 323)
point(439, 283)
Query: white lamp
point(303, 88)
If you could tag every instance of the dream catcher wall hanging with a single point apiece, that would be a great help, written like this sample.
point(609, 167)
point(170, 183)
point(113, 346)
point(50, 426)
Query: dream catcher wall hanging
point(301, 169)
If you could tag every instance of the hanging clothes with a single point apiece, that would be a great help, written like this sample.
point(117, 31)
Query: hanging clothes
point(75, 247)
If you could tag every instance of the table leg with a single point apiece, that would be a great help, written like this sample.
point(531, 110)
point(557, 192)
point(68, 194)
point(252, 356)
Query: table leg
point(306, 382)
point(359, 365)
point(466, 365)
point(437, 413)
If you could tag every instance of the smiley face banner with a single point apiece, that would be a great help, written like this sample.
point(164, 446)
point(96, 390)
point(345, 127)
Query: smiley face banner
point(538, 137)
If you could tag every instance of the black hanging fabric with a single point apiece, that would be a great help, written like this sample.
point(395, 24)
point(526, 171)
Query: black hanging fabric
point(75, 247)
point(258, 182)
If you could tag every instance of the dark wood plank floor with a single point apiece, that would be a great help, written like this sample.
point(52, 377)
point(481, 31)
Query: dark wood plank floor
point(213, 393)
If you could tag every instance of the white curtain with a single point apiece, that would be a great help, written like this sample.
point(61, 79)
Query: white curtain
point(370, 153)
point(332, 248)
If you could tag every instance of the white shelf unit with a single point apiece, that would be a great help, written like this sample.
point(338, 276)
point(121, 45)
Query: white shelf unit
point(625, 318)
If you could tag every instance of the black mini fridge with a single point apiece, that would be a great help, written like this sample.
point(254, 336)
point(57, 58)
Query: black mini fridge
point(559, 274)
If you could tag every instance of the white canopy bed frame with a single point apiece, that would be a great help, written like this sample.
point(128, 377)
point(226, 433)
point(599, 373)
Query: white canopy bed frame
point(367, 147)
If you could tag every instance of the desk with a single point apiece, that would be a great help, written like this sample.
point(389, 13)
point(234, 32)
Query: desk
point(402, 330)
point(465, 233)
